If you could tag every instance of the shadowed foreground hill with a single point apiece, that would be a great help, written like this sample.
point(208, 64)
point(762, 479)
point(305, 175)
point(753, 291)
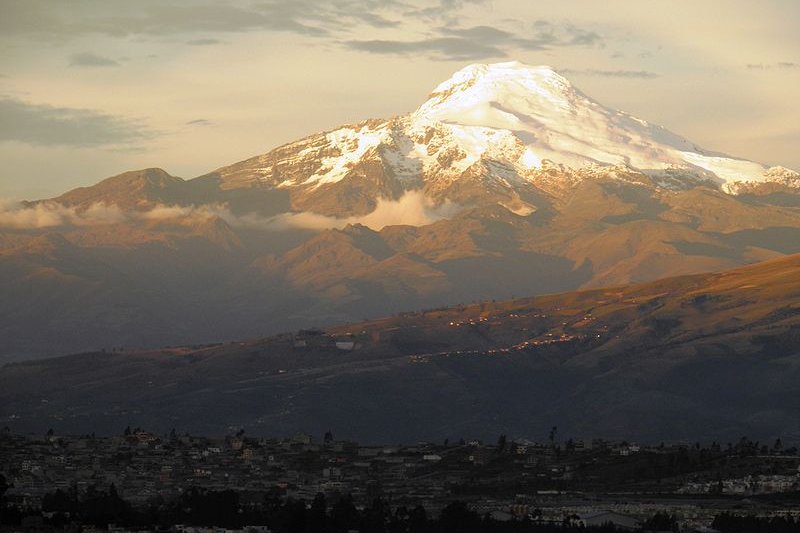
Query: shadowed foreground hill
point(709, 356)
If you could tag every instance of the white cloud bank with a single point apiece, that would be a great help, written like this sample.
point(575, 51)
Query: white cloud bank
point(413, 209)
point(51, 214)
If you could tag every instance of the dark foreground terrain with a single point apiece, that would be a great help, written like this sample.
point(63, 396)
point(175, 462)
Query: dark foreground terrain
point(141, 481)
point(710, 356)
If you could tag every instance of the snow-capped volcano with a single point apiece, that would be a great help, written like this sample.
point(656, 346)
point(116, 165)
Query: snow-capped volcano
point(500, 133)
point(506, 181)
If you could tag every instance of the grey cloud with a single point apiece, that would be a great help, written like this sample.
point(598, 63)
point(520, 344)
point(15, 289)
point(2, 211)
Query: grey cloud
point(166, 19)
point(584, 38)
point(45, 125)
point(88, 59)
point(480, 33)
point(118, 18)
point(479, 42)
point(443, 9)
point(376, 21)
point(457, 4)
point(203, 42)
point(632, 74)
point(490, 35)
point(449, 48)
point(781, 65)
point(332, 20)
point(199, 122)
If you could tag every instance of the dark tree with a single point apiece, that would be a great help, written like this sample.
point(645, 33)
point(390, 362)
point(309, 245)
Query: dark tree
point(418, 520)
point(344, 515)
point(458, 518)
point(501, 443)
point(317, 516)
point(661, 522)
point(375, 517)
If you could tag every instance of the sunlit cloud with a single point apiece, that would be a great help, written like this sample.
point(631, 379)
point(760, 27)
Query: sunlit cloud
point(51, 214)
point(412, 209)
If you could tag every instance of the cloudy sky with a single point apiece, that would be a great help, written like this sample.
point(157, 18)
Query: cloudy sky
point(91, 88)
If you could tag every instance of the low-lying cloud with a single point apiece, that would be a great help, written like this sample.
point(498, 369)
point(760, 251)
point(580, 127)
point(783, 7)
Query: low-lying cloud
point(413, 209)
point(52, 214)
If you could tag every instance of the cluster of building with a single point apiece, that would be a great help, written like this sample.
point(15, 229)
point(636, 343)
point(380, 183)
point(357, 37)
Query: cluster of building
point(511, 479)
point(746, 486)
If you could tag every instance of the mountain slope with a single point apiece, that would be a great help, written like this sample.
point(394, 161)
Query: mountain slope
point(213, 277)
point(710, 356)
point(507, 181)
point(492, 133)
point(128, 190)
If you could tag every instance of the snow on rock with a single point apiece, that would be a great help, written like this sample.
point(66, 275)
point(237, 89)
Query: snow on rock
point(511, 125)
point(557, 122)
point(351, 145)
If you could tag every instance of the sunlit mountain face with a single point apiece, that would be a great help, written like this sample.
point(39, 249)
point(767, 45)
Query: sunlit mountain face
point(503, 130)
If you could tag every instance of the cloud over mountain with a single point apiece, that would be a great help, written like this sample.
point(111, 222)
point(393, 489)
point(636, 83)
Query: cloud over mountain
point(51, 214)
point(412, 209)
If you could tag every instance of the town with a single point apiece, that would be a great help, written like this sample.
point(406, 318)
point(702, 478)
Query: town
point(138, 480)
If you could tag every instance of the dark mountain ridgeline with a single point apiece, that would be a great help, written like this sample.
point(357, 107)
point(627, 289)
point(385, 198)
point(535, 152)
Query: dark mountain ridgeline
point(709, 356)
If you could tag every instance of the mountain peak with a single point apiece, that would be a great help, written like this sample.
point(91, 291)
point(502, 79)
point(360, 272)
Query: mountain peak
point(503, 73)
point(556, 121)
point(132, 188)
point(494, 85)
point(485, 135)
